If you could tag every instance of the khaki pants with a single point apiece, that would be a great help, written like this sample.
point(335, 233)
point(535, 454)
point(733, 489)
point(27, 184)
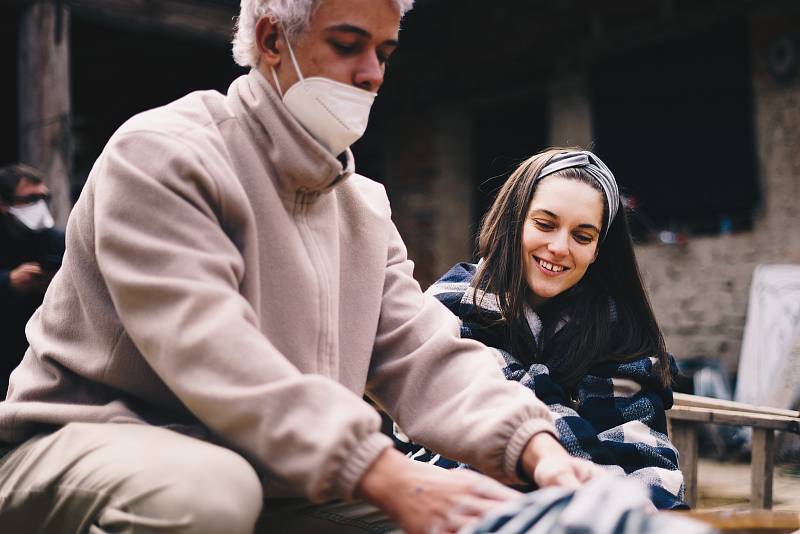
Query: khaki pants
point(120, 478)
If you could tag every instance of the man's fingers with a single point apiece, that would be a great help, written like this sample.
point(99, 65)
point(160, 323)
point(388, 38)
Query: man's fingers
point(473, 506)
point(584, 471)
point(568, 480)
point(490, 489)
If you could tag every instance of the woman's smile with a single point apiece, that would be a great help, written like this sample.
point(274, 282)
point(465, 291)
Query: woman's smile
point(550, 268)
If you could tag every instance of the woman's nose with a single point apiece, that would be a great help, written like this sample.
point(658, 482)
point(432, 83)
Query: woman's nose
point(559, 244)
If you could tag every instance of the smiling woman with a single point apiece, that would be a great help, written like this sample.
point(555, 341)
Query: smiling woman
point(558, 294)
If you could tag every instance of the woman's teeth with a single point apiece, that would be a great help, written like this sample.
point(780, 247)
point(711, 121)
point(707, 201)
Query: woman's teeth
point(550, 267)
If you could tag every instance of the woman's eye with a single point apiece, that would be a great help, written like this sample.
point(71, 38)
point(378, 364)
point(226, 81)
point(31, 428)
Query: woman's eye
point(543, 225)
point(583, 239)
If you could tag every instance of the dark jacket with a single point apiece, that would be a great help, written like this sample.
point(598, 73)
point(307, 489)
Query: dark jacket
point(19, 245)
point(615, 416)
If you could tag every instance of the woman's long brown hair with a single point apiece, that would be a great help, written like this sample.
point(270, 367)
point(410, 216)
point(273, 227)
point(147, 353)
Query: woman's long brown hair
point(592, 335)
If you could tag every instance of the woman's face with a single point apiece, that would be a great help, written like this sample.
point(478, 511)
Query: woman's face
point(560, 236)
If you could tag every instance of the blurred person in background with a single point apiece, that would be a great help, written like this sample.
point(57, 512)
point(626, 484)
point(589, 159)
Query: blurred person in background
point(30, 254)
point(231, 290)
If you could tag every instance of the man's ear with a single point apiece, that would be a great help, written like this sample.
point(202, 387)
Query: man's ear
point(267, 33)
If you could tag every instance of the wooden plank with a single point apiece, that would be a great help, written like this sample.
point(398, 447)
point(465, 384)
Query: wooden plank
point(761, 467)
point(684, 437)
point(746, 519)
point(44, 99)
point(728, 417)
point(199, 19)
point(696, 401)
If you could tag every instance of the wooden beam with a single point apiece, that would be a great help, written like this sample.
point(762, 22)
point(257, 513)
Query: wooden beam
point(44, 99)
point(746, 520)
point(696, 401)
point(734, 418)
point(683, 435)
point(198, 19)
point(761, 465)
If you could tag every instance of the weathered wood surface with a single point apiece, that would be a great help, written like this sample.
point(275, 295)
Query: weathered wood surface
point(44, 99)
point(684, 437)
point(761, 467)
point(735, 418)
point(747, 520)
point(211, 20)
point(696, 401)
point(684, 420)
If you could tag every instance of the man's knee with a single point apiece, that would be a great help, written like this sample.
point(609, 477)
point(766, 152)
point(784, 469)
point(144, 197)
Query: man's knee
point(222, 493)
point(143, 478)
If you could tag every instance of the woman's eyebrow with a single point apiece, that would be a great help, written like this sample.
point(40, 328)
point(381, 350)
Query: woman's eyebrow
point(555, 216)
point(546, 212)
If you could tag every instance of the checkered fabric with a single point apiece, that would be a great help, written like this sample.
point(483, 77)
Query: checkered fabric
point(613, 417)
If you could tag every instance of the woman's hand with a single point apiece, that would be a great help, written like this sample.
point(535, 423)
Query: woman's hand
point(548, 464)
point(425, 499)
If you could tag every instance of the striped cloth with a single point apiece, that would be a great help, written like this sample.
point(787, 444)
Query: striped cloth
point(613, 417)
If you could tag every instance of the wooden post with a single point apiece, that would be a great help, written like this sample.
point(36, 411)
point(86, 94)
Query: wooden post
point(684, 437)
point(44, 99)
point(763, 456)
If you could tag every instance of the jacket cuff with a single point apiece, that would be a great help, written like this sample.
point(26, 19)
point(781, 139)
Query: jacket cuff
point(359, 461)
point(519, 440)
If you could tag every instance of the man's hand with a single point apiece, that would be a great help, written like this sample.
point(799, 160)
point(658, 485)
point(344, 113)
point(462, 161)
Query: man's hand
point(27, 277)
point(548, 464)
point(425, 499)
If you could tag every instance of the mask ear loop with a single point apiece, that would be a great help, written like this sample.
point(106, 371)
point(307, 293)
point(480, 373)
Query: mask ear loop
point(294, 61)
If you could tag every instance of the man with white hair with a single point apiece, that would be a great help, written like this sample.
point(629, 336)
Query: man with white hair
point(230, 290)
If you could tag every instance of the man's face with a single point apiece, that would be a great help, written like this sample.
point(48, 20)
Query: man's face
point(28, 192)
point(348, 41)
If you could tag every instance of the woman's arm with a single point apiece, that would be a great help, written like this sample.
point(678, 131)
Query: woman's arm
point(619, 420)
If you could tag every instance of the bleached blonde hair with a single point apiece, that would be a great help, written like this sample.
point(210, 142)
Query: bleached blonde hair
point(294, 16)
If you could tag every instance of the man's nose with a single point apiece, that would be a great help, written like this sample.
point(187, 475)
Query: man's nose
point(369, 74)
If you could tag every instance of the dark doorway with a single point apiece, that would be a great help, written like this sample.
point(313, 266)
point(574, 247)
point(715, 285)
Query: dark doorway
point(505, 135)
point(118, 72)
point(675, 122)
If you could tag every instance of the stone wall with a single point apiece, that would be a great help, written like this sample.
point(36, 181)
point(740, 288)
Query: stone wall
point(429, 184)
point(700, 290)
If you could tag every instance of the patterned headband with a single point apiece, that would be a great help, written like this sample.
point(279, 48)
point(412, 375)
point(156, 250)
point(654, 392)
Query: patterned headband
point(595, 167)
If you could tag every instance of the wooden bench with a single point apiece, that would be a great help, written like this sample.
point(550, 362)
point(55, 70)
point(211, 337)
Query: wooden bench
point(690, 411)
point(747, 521)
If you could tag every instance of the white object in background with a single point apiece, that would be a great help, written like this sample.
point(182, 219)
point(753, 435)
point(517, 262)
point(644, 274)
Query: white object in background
point(769, 364)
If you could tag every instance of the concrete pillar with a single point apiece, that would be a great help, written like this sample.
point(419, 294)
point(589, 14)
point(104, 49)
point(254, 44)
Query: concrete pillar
point(570, 112)
point(44, 99)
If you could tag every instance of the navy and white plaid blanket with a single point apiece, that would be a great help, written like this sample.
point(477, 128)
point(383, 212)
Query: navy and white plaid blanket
point(614, 417)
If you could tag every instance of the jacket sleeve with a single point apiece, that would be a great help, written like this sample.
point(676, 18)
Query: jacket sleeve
point(618, 420)
point(446, 393)
point(174, 275)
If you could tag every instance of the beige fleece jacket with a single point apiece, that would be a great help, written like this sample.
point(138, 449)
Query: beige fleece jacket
point(226, 277)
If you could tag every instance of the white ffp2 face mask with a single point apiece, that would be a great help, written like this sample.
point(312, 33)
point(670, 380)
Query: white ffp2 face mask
point(34, 216)
point(334, 113)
